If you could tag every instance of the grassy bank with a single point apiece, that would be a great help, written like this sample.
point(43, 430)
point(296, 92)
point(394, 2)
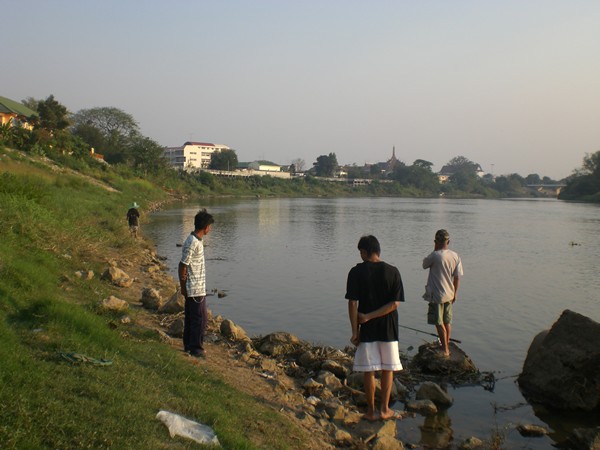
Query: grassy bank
point(53, 222)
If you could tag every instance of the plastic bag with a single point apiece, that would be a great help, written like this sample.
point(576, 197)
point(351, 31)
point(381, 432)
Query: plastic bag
point(180, 426)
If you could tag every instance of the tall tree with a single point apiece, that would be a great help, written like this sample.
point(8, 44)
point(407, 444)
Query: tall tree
point(109, 130)
point(225, 159)
point(53, 116)
point(326, 165)
point(108, 120)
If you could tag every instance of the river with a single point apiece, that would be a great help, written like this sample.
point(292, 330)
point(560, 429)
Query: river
point(283, 263)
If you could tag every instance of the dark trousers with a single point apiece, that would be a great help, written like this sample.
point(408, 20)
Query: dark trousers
point(194, 325)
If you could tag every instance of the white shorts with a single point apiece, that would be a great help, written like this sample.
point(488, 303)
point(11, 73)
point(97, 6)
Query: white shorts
point(374, 356)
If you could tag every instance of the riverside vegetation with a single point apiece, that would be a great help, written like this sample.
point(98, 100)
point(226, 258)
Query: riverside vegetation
point(53, 222)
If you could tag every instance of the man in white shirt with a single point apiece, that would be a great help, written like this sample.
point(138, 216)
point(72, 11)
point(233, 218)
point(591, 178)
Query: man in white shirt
point(192, 279)
point(445, 270)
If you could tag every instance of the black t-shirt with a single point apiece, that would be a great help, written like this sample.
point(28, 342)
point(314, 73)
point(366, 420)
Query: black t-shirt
point(375, 284)
point(133, 216)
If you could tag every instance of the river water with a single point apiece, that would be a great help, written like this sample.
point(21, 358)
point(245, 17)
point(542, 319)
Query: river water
point(283, 263)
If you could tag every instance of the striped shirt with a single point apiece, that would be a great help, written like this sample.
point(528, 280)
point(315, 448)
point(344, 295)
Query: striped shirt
point(193, 257)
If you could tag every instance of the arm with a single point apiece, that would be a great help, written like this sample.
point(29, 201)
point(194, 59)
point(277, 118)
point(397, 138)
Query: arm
point(382, 311)
point(182, 271)
point(427, 261)
point(353, 314)
point(456, 283)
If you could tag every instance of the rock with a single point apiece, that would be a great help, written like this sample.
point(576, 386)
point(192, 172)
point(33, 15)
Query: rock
point(174, 305)
point(423, 407)
point(585, 438)
point(329, 380)
point(471, 443)
point(309, 360)
point(432, 391)
point(561, 368)
point(528, 430)
point(334, 367)
point(232, 331)
point(268, 365)
point(387, 443)
point(279, 343)
point(151, 298)
point(117, 277)
point(429, 360)
point(401, 390)
point(221, 294)
point(334, 410)
point(113, 303)
point(85, 274)
point(125, 320)
point(356, 380)
point(176, 328)
point(312, 400)
point(343, 438)
point(312, 387)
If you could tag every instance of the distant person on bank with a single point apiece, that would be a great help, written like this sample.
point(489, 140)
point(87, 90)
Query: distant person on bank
point(133, 218)
point(445, 270)
point(374, 290)
point(192, 278)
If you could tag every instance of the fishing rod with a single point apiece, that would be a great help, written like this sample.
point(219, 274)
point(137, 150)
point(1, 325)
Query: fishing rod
point(430, 334)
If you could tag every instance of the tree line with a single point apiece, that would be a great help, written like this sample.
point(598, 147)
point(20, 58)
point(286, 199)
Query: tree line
point(115, 135)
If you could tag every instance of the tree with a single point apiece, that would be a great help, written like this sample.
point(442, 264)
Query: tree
point(109, 130)
point(326, 165)
point(145, 154)
point(225, 159)
point(52, 115)
point(299, 165)
point(108, 120)
point(423, 164)
point(533, 178)
point(584, 183)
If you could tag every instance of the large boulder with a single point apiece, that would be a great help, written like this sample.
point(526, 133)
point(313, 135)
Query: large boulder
point(561, 368)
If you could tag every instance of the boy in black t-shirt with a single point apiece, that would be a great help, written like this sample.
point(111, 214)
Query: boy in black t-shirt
point(374, 290)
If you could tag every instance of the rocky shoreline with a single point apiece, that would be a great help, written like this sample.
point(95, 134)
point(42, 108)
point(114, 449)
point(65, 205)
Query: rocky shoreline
point(312, 385)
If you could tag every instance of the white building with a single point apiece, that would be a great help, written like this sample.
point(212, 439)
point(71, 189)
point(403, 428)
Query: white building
point(192, 155)
point(264, 166)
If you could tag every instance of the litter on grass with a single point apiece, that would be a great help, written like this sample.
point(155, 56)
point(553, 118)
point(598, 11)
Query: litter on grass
point(180, 426)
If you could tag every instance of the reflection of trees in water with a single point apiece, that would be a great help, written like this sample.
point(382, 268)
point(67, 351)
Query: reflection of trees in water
point(436, 431)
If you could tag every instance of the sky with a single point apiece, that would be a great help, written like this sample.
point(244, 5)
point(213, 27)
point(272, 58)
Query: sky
point(513, 85)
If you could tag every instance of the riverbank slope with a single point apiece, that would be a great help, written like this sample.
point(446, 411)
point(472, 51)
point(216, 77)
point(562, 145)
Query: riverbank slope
point(60, 229)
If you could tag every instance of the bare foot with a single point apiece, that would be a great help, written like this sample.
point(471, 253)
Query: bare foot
point(391, 414)
point(371, 417)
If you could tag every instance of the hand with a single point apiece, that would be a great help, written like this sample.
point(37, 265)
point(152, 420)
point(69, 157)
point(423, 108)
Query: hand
point(355, 339)
point(362, 318)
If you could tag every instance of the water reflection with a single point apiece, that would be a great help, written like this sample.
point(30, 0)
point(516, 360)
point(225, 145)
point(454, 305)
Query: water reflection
point(436, 431)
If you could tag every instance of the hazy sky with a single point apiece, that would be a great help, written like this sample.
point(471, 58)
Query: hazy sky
point(513, 85)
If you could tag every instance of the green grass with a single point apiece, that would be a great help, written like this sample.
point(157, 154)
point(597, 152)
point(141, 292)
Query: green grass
point(53, 223)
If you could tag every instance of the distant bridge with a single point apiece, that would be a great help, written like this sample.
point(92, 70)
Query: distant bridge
point(549, 189)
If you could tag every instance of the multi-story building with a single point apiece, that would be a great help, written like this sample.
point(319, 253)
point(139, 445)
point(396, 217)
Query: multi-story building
point(192, 155)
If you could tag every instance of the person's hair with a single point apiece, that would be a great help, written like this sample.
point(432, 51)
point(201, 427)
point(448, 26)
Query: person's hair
point(369, 244)
point(202, 220)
